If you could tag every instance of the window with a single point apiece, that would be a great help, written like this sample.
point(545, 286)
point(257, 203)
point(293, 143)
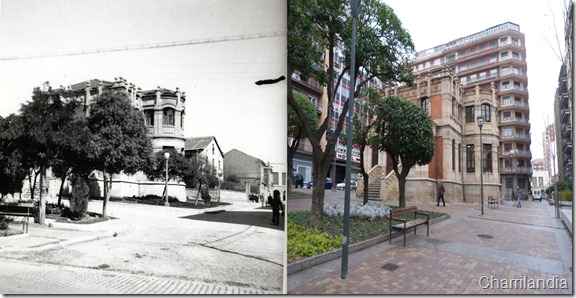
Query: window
point(284, 178)
point(509, 183)
point(470, 158)
point(459, 157)
point(450, 58)
point(506, 115)
point(481, 47)
point(522, 183)
point(506, 101)
point(503, 41)
point(427, 64)
point(517, 86)
point(516, 70)
point(518, 101)
point(487, 158)
point(493, 44)
point(518, 116)
point(507, 147)
point(493, 59)
point(473, 78)
point(470, 114)
point(515, 56)
point(483, 75)
point(493, 73)
point(515, 41)
point(182, 120)
point(486, 112)
point(149, 117)
point(168, 118)
point(473, 50)
point(437, 61)
point(463, 80)
point(504, 70)
point(507, 131)
point(503, 56)
point(505, 85)
point(462, 53)
point(453, 155)
point(275, 178)
point(463, 67)
point(425, 103)
point(212, 149)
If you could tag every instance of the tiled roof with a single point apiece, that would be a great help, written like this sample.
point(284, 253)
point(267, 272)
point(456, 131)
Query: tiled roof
point(201, 143)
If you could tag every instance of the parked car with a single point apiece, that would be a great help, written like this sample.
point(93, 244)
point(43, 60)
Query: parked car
point(298, 180)
point(536, 195)
point(328, 183)
point(342, 185)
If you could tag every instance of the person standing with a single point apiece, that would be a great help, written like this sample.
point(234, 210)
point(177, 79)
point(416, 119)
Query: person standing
point(518, 195)
point(276, 204)
point(441, 191)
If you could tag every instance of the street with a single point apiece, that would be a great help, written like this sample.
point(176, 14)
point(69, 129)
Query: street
point(163, 250)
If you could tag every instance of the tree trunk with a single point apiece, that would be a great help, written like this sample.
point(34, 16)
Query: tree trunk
point(292, 149)
point(61, 189)
point(401, 191)
point(42, 206)
point(105, 199)
point(320, 166)
point(365, 177)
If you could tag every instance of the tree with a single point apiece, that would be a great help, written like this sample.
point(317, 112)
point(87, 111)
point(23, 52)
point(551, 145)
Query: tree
point(40, 136)
point(407, 135)
point(12, 174)
point(118, 137)
point(384, 51)
point(297, 131)
point(364, 134)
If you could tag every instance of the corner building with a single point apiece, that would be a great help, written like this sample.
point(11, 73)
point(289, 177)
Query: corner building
point(495, 55)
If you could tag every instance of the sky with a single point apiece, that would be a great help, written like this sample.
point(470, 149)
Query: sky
point(432, 23)
point(218, 77)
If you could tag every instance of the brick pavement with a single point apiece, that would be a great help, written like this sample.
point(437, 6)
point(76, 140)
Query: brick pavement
point(504, 243)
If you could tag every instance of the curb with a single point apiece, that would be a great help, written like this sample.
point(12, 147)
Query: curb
point(335, 254)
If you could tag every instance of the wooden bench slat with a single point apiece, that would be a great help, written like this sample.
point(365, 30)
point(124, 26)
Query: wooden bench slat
point(411, 224)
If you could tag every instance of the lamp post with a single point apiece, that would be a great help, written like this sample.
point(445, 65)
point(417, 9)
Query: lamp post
point(354, 4)
point(511, 170)
point(219, 177)
point(480, 121)
point(166, 157)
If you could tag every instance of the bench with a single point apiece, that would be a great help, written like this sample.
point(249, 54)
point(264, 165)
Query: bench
point(22, 210)
point(492, 202)
point(408, 224)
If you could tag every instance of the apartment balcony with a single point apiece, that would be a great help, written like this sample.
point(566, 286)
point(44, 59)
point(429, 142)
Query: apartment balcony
point(515, 121)
point(566, 130)
point(564, 99)
point(517, 106)
point(516, 171)
point(527, 154)
point(516, 137)
point(513, 90)
point(567, 162)
point(565, 115)
point(566, 145)
point(310, 84)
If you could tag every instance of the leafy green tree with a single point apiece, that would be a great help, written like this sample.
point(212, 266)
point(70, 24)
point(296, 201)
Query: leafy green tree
point(315, 29)
point(364, 135)
point(178, 166)
point(297, 131)
point(118, 138)
point(407, 135)
point(79, 198)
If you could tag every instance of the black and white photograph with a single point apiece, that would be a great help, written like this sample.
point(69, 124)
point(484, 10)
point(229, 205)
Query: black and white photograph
point(143, 146)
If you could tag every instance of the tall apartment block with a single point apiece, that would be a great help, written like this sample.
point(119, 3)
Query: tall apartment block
point(495, 55)
point(564, 107)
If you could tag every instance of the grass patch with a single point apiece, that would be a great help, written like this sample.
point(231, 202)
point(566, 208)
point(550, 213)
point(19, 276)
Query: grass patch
point(360, 230)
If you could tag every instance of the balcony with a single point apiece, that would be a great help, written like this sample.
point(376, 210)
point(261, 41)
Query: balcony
point(564, 99)
point(566, 130)
point(565, 115)
point(567, 162)
point(516, 105)
point(517, 136)
point(511, 120)
point(566, 146)
point(516, 170)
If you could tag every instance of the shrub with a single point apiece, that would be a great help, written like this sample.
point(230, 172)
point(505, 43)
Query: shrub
point(304, 243)
point(3, 223)
point(565, 195)
point(371, 210)
point(80, 196)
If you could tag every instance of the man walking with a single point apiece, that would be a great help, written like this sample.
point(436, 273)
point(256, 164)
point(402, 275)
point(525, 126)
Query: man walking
point(441, 191)
point(519, 195)
point(276, 206)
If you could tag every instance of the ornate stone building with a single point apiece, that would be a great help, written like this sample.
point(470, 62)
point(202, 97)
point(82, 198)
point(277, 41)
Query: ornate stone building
point(456, 161)
point(163, 111)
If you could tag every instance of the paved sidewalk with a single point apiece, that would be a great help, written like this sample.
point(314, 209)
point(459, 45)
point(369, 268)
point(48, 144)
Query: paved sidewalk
point(466, 254)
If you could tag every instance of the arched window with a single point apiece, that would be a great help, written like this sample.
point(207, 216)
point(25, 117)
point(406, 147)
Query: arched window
point(168, 118)
point(425, 103)
point(182, 120)
point(486, 112)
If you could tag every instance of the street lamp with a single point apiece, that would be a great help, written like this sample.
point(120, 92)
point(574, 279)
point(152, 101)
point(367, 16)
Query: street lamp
point(219, 177)
point(480, 121)
point(354, 5)
point(166, 157)
point(511, 170)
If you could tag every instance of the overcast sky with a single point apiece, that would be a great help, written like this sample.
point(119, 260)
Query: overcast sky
point(432, 23)
point(218, 77)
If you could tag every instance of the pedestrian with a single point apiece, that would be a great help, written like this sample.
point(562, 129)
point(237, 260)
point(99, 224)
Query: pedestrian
point(518, 195)
point(276, 206)
point(441, 191)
